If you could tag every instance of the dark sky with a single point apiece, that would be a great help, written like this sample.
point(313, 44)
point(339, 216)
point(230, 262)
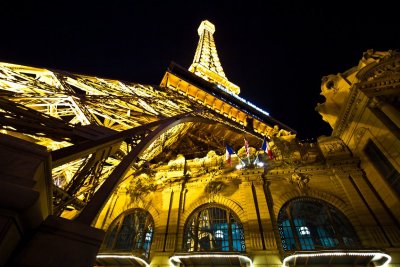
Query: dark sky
point(276, 51)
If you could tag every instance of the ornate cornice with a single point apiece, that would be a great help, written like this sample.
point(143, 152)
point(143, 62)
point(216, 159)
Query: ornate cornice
point(387, 85)
point(384, 67)
point(381, 77)
point(348, 113)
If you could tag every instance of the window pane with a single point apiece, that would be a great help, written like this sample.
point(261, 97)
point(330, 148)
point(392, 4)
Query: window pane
point(135, 233)
point(309, 224)
point(213, 229)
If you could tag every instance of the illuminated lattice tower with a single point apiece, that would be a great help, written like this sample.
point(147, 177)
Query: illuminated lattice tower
point(59, 110)
point(206, 63)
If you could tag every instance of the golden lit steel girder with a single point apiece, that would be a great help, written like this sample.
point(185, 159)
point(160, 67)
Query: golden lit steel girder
point(81, 102)
point(60, 109)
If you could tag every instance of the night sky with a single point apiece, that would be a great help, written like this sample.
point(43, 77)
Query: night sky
point(276, 51)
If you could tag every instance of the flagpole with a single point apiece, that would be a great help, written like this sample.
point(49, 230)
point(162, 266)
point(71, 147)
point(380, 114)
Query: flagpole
point(255, 160)
point(241, 161)
point(247, 150)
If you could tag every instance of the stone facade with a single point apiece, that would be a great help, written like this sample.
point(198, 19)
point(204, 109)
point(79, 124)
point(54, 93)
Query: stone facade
point(325, 171)
point(335, 170)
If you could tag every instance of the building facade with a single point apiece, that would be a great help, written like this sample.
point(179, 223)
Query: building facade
point(190, 174)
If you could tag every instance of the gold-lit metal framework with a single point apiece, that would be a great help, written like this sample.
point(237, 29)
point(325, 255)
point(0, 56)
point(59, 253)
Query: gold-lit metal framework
point(57, 109)
point(232, 107)
point(206, 63)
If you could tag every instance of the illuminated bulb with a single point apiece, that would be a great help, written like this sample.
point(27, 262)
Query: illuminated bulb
point(176, 259)
point(115, 256)
point(148, 237)
point(375, 255)
point(304, 230)
point(219, 234)
point(239, 166)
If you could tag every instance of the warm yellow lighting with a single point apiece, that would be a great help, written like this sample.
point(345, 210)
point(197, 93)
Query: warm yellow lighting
point(206, 63)
point(116, 256)
point(376, 256)
point(104, 104)
point(177, 259)
point(239, 167)
point(223, 107)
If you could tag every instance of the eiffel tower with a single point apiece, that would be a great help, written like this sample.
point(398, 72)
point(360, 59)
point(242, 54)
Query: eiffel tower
point(99, 132)
point(206, 63)
point(66, 112)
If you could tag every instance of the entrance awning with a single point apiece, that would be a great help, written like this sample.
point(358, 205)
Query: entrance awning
point(211, 259)
point(335, 257)
point(120, 259)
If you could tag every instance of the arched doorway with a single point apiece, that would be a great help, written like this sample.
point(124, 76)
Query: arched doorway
point(312, 224)
point(131, 231)
point(213, 228)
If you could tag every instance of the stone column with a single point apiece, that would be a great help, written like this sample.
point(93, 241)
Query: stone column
point(61, 243)
point(391, 112)
point(29, 234)
point(25, 191)
point(369, 229)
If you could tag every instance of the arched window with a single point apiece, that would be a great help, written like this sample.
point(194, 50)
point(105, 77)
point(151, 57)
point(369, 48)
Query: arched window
point(131, 231)
point(310, 224)
point(213, 228)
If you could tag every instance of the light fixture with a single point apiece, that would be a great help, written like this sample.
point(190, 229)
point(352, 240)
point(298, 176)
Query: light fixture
point(304, 230)
point(239, 167)
point(219, 234)
point(376, 256)
point(177, 258)
point(116, 256)
point(148, 236)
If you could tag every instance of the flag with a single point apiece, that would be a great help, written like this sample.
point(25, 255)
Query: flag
point(229, 152)
point(266, 149)
point(246, 146)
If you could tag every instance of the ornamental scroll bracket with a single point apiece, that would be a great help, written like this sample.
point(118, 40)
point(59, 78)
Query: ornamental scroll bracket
point(302, 180)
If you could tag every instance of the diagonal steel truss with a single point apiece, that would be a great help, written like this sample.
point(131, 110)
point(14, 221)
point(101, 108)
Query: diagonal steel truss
point(92, 125)
point(59, 110)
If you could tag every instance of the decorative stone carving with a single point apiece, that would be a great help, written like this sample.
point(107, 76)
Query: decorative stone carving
point(302, 180)
point(213, 188)
point(286, 152)
point(178, 163)
point(138, 189)
point(358, 135)
point(376, 55)
point(378, 64)
point(330, 84)
point(333, 147)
